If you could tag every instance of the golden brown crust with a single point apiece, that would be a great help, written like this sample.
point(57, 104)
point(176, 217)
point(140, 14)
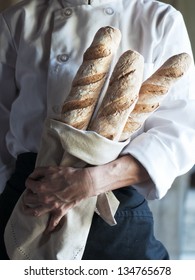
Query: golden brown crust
point(153, 91)
point(90, 78)
point(121, 95)
point(96, 52)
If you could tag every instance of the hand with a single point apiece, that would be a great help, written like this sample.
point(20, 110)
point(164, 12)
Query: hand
point(55, 190)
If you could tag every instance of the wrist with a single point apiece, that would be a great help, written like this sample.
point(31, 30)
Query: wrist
point(119, 173)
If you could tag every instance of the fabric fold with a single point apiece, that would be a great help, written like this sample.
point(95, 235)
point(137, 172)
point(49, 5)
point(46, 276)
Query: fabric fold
point(64, 145)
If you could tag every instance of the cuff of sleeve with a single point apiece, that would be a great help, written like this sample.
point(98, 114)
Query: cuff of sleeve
point(152, 154)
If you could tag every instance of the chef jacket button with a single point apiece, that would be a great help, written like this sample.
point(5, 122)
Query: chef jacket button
point(68, 12)
point(109, 11)
point(62, 58)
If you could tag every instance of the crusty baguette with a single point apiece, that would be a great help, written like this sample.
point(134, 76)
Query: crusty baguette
point(90, 78)
point(153, 91)
point(121, 96)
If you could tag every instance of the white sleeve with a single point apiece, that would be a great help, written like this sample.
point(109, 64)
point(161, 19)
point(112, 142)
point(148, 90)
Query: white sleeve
point(166, 145)
point(7, 95)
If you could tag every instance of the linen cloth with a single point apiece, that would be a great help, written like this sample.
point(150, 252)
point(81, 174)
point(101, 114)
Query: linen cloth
point(64, 145)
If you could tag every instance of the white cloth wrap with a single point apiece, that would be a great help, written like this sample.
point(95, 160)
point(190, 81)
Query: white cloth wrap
point(63, 145)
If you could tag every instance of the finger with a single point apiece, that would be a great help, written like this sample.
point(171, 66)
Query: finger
point(53, 223)
point(30, 211)
point(57, 220)
point(36, 211)
point(30, 198)
point(33, 185)
point(38, 173)
point(58, 217)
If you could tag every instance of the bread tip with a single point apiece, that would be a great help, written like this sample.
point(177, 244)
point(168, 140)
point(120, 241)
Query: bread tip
point(181, 61)
point(108, 35)
point(187, 58)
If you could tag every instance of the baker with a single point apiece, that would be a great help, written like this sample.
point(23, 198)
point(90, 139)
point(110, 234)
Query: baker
point(42, 43)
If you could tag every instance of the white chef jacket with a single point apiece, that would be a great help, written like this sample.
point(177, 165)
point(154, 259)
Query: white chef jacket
point(41, 48)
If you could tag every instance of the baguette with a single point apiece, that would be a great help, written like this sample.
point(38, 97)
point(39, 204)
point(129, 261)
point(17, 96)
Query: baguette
point(153, 91)
point(121, 96)
point(90, 78)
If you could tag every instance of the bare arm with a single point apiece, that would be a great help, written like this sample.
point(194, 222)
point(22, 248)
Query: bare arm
point(61, 188)
point(124, 171)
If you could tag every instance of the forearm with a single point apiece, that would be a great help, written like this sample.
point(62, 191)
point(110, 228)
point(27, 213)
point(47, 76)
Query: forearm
point(121, 172)
point(61, 188)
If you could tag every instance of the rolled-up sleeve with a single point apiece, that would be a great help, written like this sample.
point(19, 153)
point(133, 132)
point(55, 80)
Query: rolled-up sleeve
point(8, 93)
point(166, 146)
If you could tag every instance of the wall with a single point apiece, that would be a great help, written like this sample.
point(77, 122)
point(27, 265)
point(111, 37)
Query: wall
point(187, 8)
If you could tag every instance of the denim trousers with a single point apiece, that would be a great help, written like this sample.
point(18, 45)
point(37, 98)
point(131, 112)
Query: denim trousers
point(132, 238)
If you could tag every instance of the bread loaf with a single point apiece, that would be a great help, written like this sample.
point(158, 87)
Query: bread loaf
point(121, 95)
point(153, 91)
point(90, 78)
